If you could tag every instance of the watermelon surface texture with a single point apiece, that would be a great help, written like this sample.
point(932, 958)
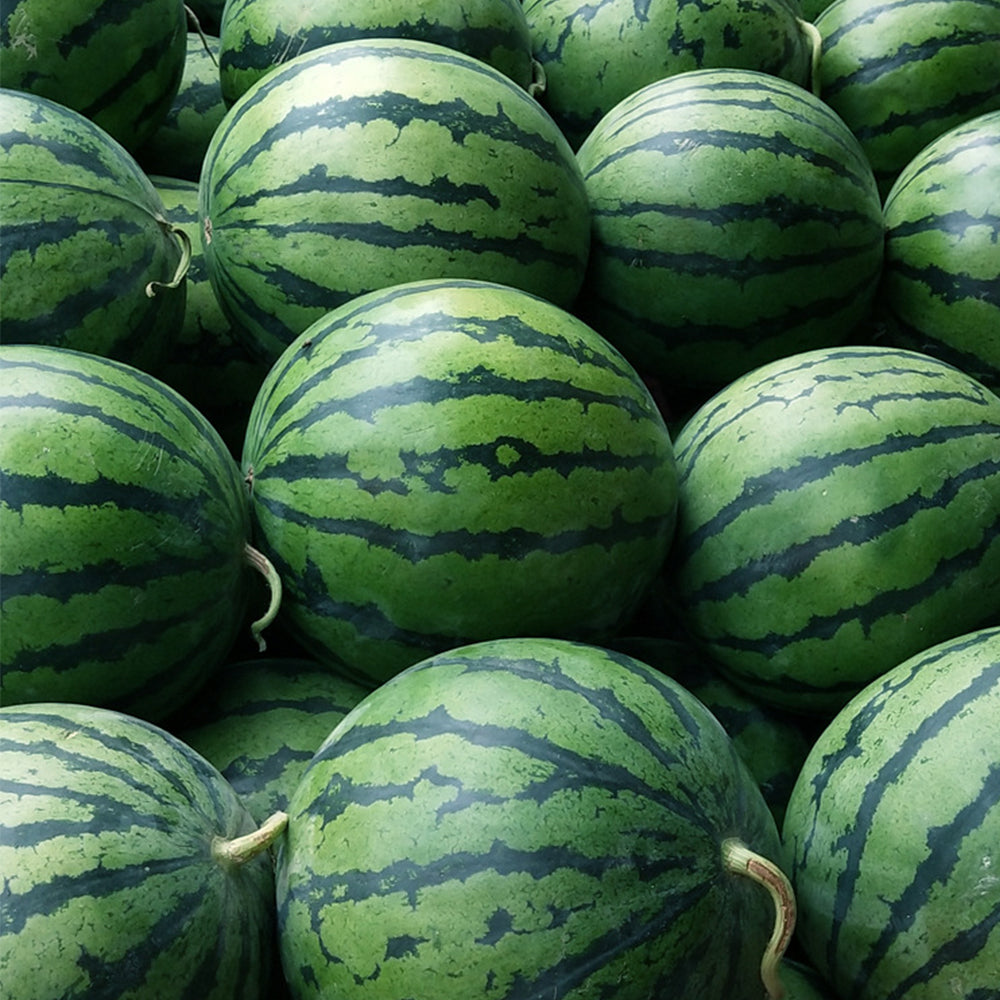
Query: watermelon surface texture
point(524, 818)
point(735, 221)
point(117, 64)
point(839, 511)
point(902, 72)
point(258, 35)
point(125, 523)
point(445, 461)
point(596, 54)
point(892, 831)
point(941, 283)
point(88, 253)
point(260, 722)
point(113, 884)
point(364, 164)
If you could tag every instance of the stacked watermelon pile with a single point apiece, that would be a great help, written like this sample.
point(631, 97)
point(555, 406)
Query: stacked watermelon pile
point(500, 499)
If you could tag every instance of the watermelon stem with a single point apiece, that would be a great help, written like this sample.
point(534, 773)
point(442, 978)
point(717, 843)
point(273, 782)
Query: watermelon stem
point(239, 850)
point(182, 265)
point(538, 79)
point(258, 561)
point(816, 43)
point(740, 860)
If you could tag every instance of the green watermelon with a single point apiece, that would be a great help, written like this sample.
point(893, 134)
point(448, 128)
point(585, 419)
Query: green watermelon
point(130, 867)
point(368, 163)
point(90, 262)
point(258, 35)
point(892, 831)
point(735, 221)
point(530, 818)
point(177, 148)
point(839, 510)
point(902, 72)
point(119, 64)
point(260, 722)
point(595, 55)
point(123, 569)
point(940, 288)
point(209, 364)
point(442, 461)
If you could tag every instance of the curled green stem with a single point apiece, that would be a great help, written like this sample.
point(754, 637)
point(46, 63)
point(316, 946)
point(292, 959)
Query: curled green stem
point(182, 265)
point(740, 860)
point(258, 561)
point(240, 850)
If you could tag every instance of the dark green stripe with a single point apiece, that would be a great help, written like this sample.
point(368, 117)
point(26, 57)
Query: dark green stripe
point(430, 469)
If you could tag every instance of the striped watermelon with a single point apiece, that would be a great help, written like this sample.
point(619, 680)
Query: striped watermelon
point(90, 261)
point(893, 827)
point(902, 72)
point(446, 461)
point(595, 55)
point(365, 164)
point(124, 519)
point(735, 221)
point(117, 64)
point(177, 148)
point(941, 283)
point(131, 869)
point(209, 365)
point(839, 510)
point(257, 35)
point(260, 722)
point(529, 818)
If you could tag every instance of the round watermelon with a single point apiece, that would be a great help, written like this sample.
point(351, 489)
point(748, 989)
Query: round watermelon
point(735, 221)
point(530, 818)
point(123, 569)
point(940, 290)
point(90, 261)
point(595, 56)
point(892, 829)
point(117, 64)
point(364, 164)
point(130, 867)
point(838, 512)
point(445, 461)
point(902, 72)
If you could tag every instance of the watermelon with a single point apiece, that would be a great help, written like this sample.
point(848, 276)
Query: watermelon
point(177, 148)
point(258, 35)
point(260, 721)
point(838, 511)
point(735, 221)
point(530, 818)
point(594, 56)
point(892, 830)
point(209, 364)
point(364, 164)
point(123, 570)
point(445, 461)
point(131, 869)
point(89, 261)
point(902, 72)
point(940, 288)
point(117, 64)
